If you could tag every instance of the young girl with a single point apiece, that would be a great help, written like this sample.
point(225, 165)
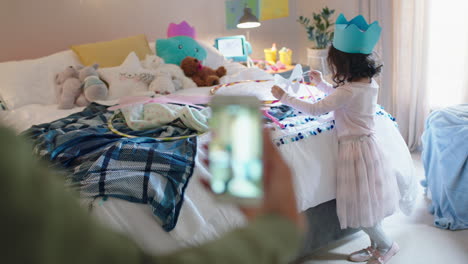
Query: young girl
point(366, 190)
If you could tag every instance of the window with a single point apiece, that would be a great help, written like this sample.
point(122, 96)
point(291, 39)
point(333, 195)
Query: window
point(448, 53)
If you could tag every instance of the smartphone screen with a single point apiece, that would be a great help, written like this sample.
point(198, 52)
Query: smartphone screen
point(236, 149)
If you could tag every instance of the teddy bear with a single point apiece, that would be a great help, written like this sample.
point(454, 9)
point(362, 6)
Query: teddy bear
point(79, 86)
point(168, 77)
point(201, 75)
point(68, 89)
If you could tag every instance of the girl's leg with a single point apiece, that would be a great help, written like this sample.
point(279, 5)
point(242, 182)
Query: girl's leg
point(365, 254)
point(373, 244)
point(386, 248)
point(378, 237)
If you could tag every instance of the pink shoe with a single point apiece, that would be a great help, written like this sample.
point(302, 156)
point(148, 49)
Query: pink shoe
point(361, 255)
point(378, 258)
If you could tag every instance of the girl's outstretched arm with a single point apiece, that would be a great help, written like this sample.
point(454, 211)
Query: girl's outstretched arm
point(339, 98)
point(321, 84)
point(325, 87)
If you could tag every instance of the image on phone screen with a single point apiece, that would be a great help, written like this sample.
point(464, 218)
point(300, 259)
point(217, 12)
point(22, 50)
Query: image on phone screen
point(236, 149)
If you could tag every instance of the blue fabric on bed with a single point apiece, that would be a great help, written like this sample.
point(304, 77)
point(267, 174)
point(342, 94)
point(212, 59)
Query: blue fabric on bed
point(101, 163)
point(445, 154)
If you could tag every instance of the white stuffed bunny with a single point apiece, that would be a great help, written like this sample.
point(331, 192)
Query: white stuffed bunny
point(152, 62)
point(168, 77)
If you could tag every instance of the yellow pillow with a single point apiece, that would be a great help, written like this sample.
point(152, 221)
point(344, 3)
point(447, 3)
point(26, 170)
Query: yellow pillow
point(112, 53)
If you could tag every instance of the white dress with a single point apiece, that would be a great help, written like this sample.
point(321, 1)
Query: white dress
point(367, 192)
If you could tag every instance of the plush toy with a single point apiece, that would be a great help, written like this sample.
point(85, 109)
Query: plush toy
point(152, 62)
point(174, 50)
point(168, 77)
point(94, 88)
point(201, 75)
point(79, 86)
point(68, 89)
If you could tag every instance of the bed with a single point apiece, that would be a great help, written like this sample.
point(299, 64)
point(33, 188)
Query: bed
point(307, 143)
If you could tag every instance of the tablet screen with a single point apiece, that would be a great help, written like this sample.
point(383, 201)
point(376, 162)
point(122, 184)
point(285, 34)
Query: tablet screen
point(231, 47)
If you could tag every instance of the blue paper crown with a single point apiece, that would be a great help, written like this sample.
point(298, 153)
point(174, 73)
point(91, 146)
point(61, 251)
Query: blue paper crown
point(355, 36)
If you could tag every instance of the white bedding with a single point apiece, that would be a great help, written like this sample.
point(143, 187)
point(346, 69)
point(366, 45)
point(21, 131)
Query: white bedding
point(201, 217)
point(24, 117)
point(313, 160)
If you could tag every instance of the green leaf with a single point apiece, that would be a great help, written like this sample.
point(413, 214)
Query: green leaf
point(321, 27)
point(318, 27)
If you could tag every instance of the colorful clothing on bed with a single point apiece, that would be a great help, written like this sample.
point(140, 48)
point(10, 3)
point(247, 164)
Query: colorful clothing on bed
point(43, 223)
point(153, 115)
point(101, 163)
point(367, 191)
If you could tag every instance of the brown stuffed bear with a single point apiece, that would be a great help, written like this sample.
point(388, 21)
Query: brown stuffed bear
point(201, 75)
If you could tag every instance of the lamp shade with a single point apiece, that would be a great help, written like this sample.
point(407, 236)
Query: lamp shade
point(248, 20)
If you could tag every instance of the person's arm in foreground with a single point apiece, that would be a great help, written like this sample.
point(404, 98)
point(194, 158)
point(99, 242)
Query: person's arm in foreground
point(43, 223)
point(271, 238)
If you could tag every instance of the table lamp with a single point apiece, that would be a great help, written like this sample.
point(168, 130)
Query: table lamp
point(248, 20)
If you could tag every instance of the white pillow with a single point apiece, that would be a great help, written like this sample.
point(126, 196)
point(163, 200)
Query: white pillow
point(262, 90)
point(32, 81)
point(214, 58)
point(130, 78)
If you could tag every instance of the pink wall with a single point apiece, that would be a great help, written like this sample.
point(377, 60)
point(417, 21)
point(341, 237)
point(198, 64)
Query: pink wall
point(35, 28)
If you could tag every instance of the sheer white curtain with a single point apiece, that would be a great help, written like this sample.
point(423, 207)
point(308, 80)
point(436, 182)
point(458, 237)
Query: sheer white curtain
point(404, 49)
point(424, 46)
point(409, 71)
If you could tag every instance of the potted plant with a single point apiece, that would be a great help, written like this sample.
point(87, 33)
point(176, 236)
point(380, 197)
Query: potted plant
point(320, 32)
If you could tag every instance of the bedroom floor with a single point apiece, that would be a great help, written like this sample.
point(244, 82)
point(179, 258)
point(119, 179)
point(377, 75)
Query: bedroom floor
point(419, 240)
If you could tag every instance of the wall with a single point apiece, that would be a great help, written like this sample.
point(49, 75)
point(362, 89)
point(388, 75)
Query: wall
point(306, 7)
point(35, 28)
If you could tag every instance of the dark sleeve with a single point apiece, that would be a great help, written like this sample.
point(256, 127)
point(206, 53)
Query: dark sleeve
point(42, 222)
point(270, 239)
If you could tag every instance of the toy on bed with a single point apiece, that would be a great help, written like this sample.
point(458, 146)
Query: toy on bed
point(168, 77)
point(174, 50)
point(93, 87)
point(79, 86)
point(179, 44)
point(201, 75)
point(68, 89)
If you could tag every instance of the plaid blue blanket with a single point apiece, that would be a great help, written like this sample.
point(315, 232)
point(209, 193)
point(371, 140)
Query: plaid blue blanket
point(101, 163)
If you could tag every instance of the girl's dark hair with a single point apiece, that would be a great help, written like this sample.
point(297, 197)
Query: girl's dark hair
point(348, 67)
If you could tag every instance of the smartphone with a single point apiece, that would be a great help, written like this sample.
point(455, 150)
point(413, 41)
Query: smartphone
point(236, 149)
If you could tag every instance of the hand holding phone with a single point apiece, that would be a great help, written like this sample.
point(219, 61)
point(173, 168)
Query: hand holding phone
point(236, 149)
